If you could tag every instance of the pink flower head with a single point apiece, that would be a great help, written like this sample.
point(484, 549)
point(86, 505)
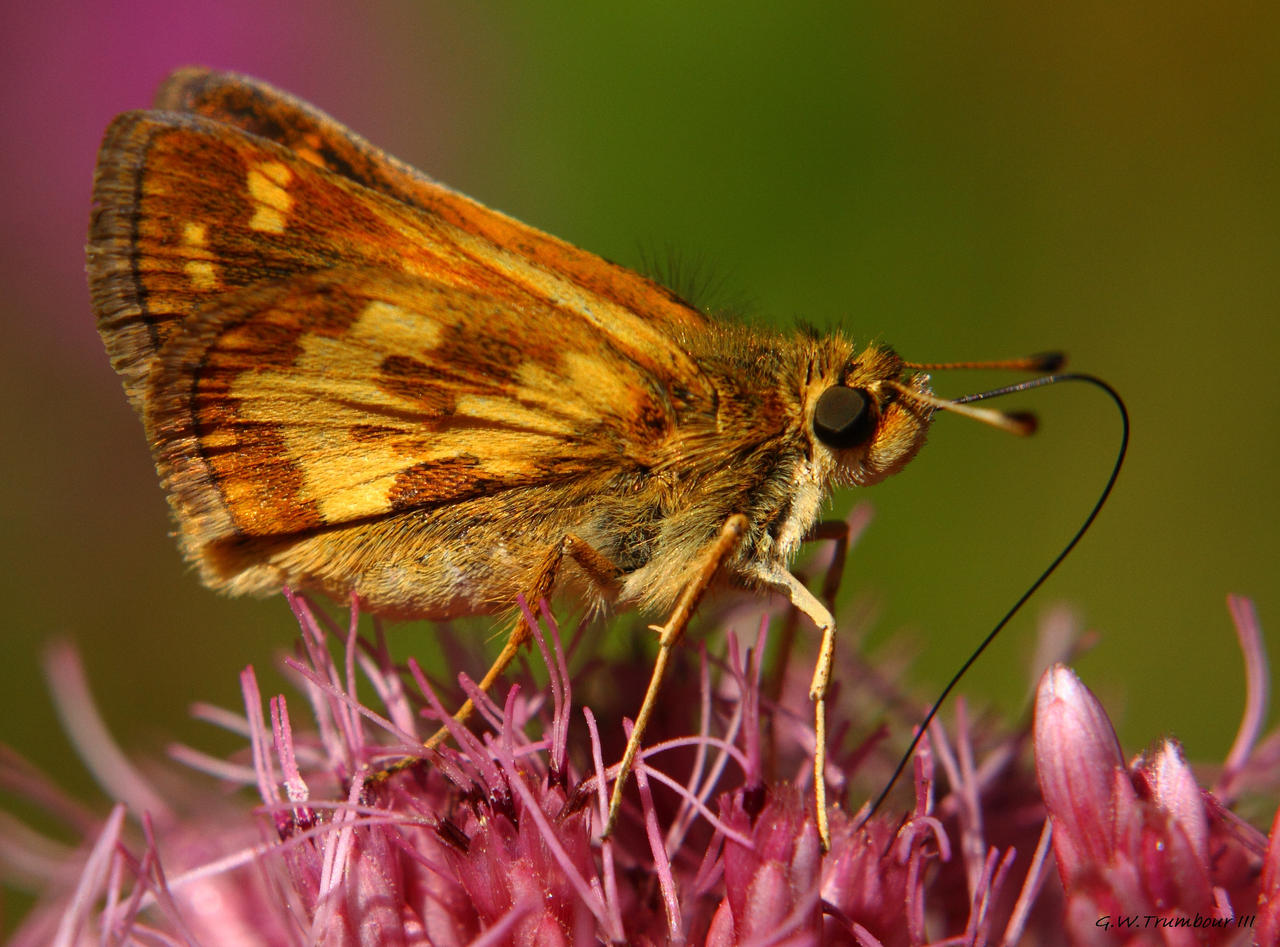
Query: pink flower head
point(494, 838)
point(1145, 854)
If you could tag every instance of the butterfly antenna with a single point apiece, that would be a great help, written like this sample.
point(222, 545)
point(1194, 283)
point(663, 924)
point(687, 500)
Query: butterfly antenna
point(1041, 363)
point(1019, 423)
point(1052, 567)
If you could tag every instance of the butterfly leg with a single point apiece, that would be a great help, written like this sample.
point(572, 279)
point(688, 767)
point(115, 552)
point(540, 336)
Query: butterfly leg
point(805, 601)
point(544, 580)
point(600, 572)
point(669, 636)
point(839, 533)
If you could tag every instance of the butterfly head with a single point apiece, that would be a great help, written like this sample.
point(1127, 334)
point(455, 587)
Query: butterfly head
point(867, 415)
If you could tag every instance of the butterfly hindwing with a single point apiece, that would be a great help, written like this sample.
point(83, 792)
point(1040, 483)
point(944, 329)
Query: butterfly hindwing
point(327, 400)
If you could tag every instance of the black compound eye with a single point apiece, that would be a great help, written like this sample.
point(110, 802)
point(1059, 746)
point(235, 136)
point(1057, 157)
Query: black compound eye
point(844, 417)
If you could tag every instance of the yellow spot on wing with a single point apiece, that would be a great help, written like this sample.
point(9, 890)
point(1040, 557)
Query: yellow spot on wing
point(268, 182)
point(202, 274)
point(276, 172)
point(194, 234)
point(595, 392)
point(506, 411)
point(346, 478)
point(218, 440)
point(606, 390)
point(392, 328)
point(200, 268)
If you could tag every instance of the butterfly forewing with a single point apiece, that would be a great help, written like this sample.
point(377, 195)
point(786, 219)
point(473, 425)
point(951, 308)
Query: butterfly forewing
point(186, 210)
point(319, 338)
point(267, 112)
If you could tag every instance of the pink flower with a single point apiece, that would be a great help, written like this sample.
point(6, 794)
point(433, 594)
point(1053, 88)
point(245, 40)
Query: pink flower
point(1145, 854)
point(494, 840)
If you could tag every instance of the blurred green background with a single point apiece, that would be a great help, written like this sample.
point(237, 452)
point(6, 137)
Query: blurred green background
point(961, 183)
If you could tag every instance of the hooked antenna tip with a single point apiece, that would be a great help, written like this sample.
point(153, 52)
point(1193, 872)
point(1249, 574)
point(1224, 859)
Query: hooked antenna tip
point(1048, 362)
point(1023, 423)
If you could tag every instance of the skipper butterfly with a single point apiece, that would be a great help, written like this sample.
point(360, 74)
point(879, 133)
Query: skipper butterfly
point(355, 380)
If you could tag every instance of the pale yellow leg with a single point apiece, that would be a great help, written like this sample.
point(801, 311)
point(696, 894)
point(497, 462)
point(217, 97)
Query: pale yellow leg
point(670, 635)
point(818, 694)
point(838, 533)
point(598, 570)
point(520, 633)
point(804, 600)
point(518, 636)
